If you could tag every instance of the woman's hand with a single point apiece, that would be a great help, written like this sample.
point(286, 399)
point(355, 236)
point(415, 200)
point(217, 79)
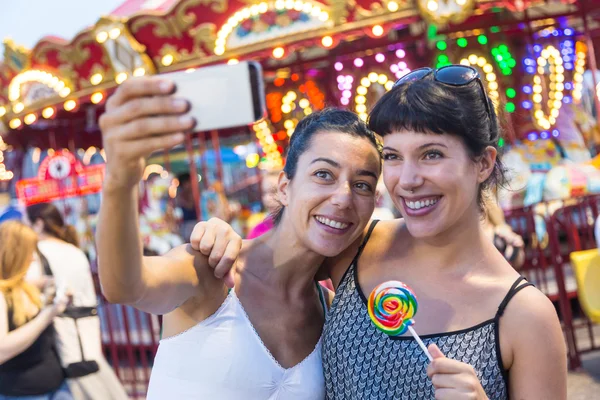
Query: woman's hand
point(141, 117)
point(216, 239)
point(453, 379)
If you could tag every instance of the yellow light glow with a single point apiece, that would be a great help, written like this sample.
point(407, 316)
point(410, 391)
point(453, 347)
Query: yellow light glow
point(167, 60)
point(140, 71)
point(233, 61)
point(121, 77)
point(488, 68)
point(360, 99)
point(64, 92)
point(464, 61)
point(97, 97)
point(327, 41)
point(537, 98)
point(377, 30)
point(382, 79)
point(286, 108)
point(17, 108)
point(481, 61)
point(288, 124)
point(432, 5)
point(361, 90)
point(303, 103)
point(393, 6)
point(490, 77)
point(278, 52)
point(473, 59)
point(219, 50)
point(70, 105)
point(14, 123)
point(96, 79)
point(114, 33)
point(30, 119)
point(48, 112)
point(373, 77)
point(365, 82)
point(2, 111)
point(291, 95)
point(361, 108)
point(101, 37)
point(389, 85)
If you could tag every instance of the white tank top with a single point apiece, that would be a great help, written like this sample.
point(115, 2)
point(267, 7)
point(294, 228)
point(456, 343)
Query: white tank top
point(223, 358)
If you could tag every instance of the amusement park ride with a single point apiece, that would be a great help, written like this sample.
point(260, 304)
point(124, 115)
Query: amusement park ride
point(537, 59)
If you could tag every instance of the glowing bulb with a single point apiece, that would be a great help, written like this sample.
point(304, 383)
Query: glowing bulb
point(15, 123)
point(233, 61)
point(432, 5)
point(365, 82)
point(167, 60)
point(114, 33)
point(278, 52)
point(2, 111)
point(382, 79)
point(361, 90)
point(139, 71)
point(393, 6)
point(373, 77)
point(70, 105)
point(18, 107)
point(48, 112)
point(286, 108)
point(473, 59)
point(377, 30)
point(303, 103)
point(30, 119)
point(97, 97)
point(121, 77)
point(64, 92)
point(96, 79)
point(327, 41)
point(101, 37)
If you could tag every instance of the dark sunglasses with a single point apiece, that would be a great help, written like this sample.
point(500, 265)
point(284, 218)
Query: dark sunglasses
point(452, 75)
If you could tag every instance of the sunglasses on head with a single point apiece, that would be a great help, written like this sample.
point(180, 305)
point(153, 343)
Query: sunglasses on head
point(452, 75)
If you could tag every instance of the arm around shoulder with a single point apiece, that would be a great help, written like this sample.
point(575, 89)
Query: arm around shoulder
point(539, 357)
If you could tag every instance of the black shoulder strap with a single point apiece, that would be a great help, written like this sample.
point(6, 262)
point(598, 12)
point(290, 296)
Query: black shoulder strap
point(361, 248)
point(45, 263)
point(514, 289)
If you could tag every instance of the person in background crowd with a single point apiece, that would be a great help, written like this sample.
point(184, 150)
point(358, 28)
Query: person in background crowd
point(269, 201)
point(70, 268)
point(185, 202)
point(505, 239)
point(29, 366)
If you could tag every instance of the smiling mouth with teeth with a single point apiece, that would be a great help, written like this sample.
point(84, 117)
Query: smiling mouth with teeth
point(331, 223)
point(423, 203)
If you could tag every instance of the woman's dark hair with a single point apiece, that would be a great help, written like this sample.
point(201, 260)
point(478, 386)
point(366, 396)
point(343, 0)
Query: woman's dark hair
point(54, 223)
point(326, 120)
point(427, 106)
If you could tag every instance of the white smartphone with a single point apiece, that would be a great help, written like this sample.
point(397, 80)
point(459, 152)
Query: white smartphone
point(222, 96)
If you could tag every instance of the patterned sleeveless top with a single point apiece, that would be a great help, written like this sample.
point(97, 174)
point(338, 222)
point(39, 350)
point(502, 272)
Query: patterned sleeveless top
point(361, 362)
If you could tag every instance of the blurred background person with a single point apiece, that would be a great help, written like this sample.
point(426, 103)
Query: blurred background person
point(29, 366)
point(509, 243)
point(269, 201)
point(184, 200)
point(70, 268)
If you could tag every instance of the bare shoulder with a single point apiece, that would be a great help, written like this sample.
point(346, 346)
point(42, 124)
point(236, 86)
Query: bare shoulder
point(536, 357)
point(530, 322)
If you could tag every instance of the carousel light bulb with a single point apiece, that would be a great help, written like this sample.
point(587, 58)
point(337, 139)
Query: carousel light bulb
point(365, 82)
point(373, 77)
point(70, 105)
point(432, 5)
point(64, 92)
point(473, 59)
point(2, 111)
point(491, 77)
point(392, 6)
point(327, 41)
point(361, 108)
point(101, 37)
point(97, 97)
point(121, 77)
point(493, 87)
point(389, 85)
point(361, 90)
point(114, 33)
point(14, 123)
point(96, 79)
point(379, 58)
point(167, 60)
point(292, 95)
point(537, 98)
point(358, 62)
point(377, 30)
point(487, 68)
point(286, 108)
point(278, 52)
point(48, 112)
point(17, 108)
point(30, 119)
point(303, 103)
point(141, 71)
point(481, 61)
point(360, 99)
point(339, 66)
point(382, 79)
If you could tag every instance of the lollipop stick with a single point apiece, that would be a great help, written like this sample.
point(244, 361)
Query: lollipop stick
point(420, 342)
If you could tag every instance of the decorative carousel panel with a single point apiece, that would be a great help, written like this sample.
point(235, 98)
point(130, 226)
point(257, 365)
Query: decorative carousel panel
point(186, 31)
point(76, 62)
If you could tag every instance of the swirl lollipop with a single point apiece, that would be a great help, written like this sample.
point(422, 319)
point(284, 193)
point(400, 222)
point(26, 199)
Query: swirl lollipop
point(392, 307)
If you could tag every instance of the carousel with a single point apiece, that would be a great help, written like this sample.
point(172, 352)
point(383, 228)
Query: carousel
point(535, 57)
